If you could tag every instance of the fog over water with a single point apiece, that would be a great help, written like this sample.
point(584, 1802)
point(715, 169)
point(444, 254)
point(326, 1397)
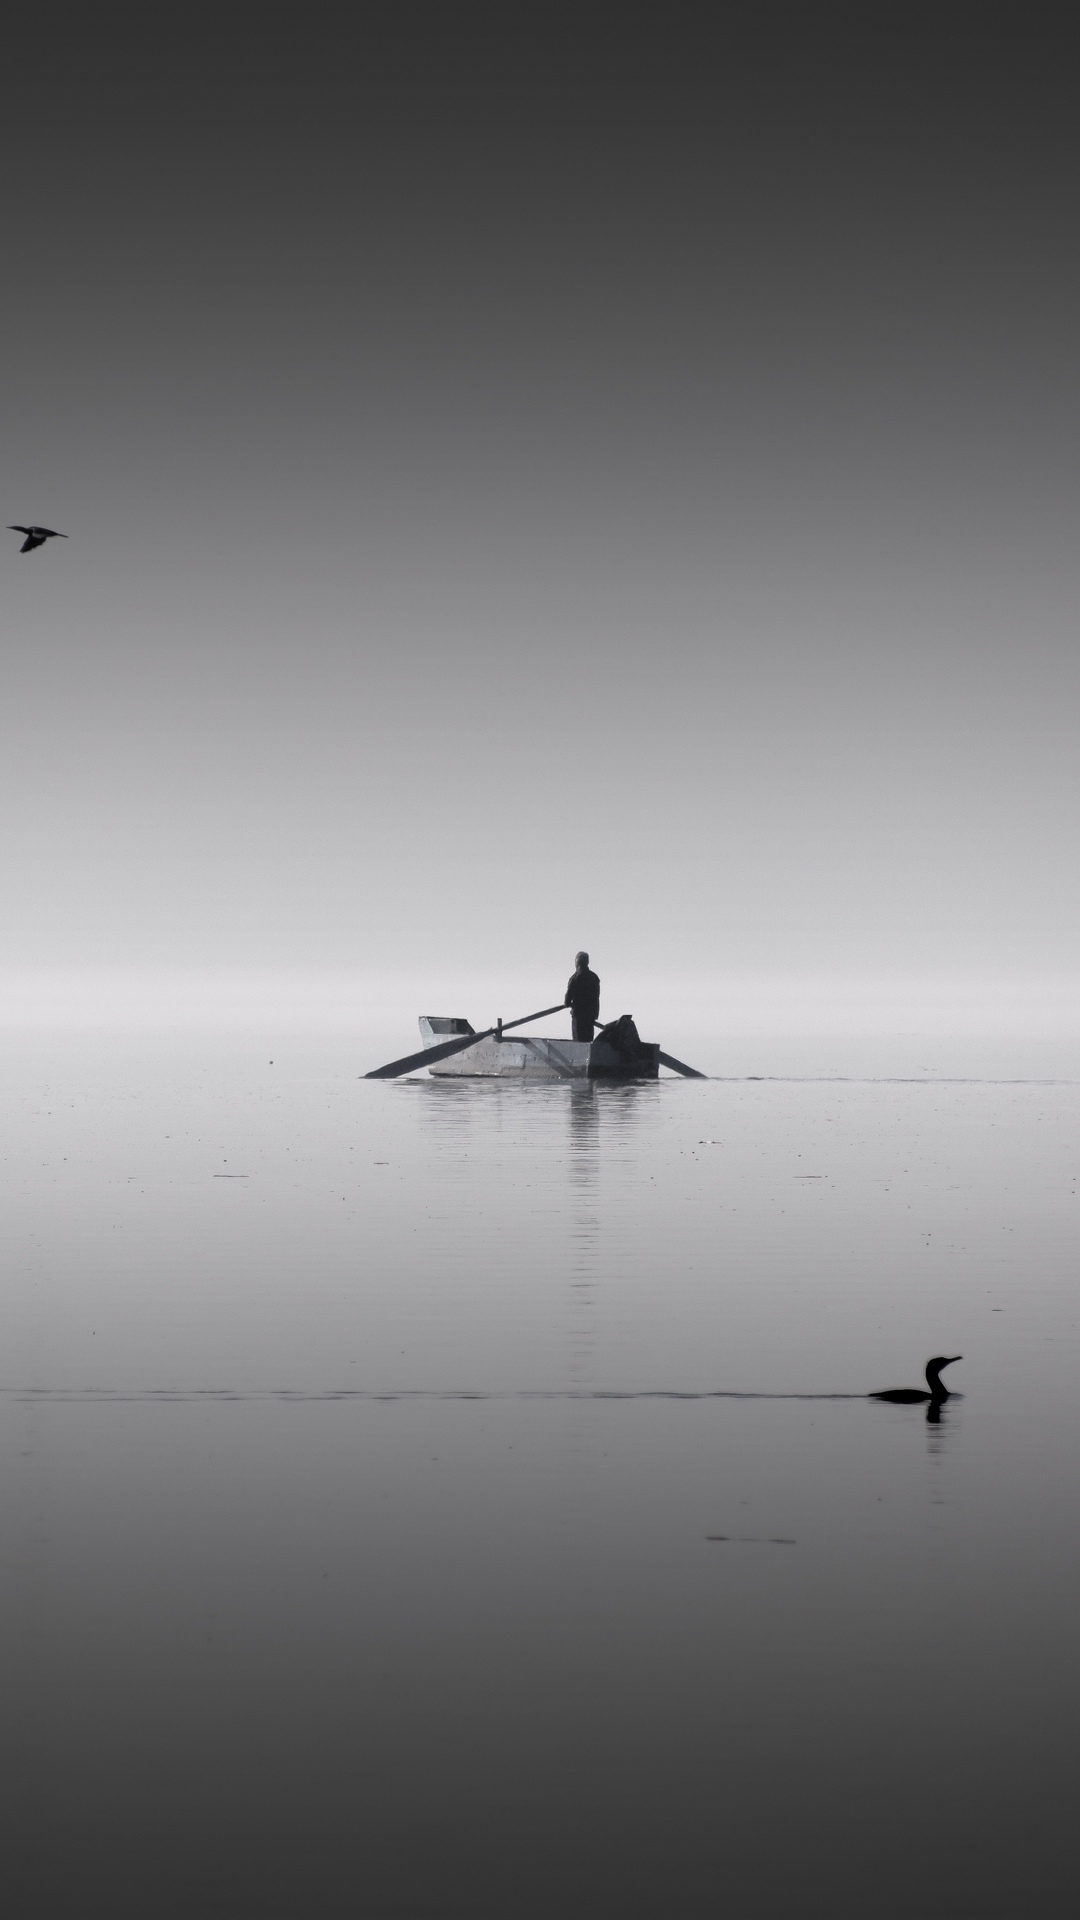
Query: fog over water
point(559, 483)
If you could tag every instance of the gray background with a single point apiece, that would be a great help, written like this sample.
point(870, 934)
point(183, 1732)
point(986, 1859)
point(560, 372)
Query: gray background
point(536, 478)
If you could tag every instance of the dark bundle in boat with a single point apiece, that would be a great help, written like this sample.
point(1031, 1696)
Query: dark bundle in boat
point(626, 1043)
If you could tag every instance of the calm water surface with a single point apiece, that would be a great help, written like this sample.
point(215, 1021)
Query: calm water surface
point(453, 1499)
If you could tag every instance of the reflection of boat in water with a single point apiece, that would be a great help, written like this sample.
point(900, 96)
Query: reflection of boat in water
point(615, 1054)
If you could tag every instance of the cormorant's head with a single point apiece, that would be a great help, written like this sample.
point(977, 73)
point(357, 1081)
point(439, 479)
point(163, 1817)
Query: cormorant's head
point(933, 1367)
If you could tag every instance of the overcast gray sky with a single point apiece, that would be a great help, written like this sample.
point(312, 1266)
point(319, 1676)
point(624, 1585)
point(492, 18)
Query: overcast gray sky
point(540, 477)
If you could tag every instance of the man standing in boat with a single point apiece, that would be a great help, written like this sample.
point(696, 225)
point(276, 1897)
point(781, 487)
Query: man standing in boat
point(583, 998)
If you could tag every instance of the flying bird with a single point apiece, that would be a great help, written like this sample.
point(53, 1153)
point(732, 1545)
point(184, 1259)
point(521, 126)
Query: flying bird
point(36, 536)
point(912, 1396)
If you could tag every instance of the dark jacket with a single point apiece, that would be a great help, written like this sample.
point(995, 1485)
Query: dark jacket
point(583, 994)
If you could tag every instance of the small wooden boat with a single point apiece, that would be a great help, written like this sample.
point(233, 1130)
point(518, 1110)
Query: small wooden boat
point(612, 1055)
point(617, 1053)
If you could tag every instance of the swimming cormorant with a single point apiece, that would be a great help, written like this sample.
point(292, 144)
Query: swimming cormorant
point(36, 536)
point(911, 1396)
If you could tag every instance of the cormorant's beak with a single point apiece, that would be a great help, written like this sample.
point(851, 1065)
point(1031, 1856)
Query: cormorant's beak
point(952, 1362)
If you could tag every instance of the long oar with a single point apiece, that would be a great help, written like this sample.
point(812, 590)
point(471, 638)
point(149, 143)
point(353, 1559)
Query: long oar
point(678, 1066)
point(429, 1055)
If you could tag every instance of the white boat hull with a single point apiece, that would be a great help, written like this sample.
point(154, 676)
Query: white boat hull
point(531, 1059)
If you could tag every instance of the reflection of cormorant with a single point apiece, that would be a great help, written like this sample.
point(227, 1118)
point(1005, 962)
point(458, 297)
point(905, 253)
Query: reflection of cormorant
point(912, 1396)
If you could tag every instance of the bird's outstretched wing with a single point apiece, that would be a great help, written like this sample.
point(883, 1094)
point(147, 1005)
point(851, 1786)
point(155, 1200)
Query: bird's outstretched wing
point(36, 536)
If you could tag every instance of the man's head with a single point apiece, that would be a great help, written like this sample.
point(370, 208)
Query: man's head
point(581, 960)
